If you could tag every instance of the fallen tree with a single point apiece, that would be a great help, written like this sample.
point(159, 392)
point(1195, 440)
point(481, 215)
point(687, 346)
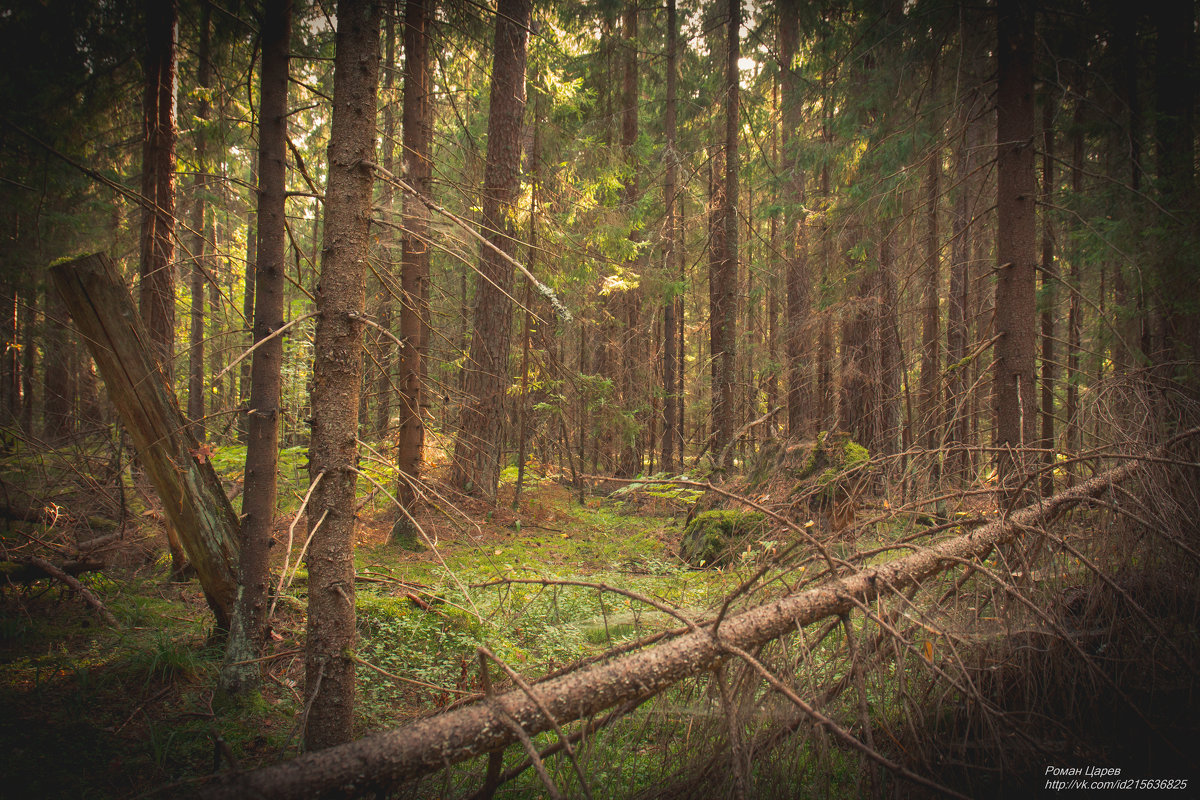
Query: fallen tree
point(191, 493)
point(29, 570)
point(390, 758)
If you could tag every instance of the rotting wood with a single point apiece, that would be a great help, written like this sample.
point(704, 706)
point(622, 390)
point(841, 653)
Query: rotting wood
point(393, 757)
point(191, 493)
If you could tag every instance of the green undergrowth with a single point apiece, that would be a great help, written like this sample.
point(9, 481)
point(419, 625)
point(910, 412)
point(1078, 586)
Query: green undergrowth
point(93, 711)
point(510, 585)
point(477, 596)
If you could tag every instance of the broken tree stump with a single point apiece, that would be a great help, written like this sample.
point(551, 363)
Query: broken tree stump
point(191, 493)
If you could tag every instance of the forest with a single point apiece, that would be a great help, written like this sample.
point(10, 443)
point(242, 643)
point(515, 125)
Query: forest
point(599, 398)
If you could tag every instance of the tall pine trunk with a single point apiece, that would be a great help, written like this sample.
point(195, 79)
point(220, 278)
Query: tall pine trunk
point(670, 243)
point(156, 299)
point(248, 280)
point(931, 328)
point(1049, 293)
point(159, 132)
point(337, 377)
point(201, 234)
point(262, 424)
point(799, 372)
point(1016, 311)
point(485, 375)
point(385, 367)
point(725, 257)
point(629, 447)
point(414, 258)
point(1176, 334)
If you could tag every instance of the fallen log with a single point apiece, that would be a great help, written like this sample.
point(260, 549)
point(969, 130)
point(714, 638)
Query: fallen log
point(70, 580)
point(384, 760)
point(191, 493)
point(26, 571)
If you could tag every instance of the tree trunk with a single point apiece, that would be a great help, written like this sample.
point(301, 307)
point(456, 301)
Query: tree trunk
point(799, 374)
point(385, 368)
point(262, 425)
point(959, 323)
point(533, 167)
point(485, 375)
point(931, 328)
point(1049, 286)
point(249, 278)
point(414, 258)
point(337, 377)
point(1071, 402)
point(1016, 311)
point(1176, 337)
point(860, 373)
point(629, 459)
point(725, 256)
point(200, 233)
point(157, 253)
point(670, 242)
point(29, 325)
point(10, 354)
point(157, 296)
point(191, 494)
point(891, 363)
point(680, 317)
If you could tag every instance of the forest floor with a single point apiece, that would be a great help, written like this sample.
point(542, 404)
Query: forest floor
point(95, 711)
point(89, 710)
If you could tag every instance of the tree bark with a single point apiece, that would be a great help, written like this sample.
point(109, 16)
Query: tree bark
point(248, 281)
point(1016, 311)
point(1049, 293)
point(414, 258)
point(262, 425)
point(476, 465)
point(10, 369)
point(959, 323)
point(629, 445)
point(931, 321)
point(191, 493)
point(860, 385)
point(29, 325)
point(670, 242)
point(1074, 317)
point(337, 377)
point(725, 255)
point(201, 233)
point(799, 372)
point(1176, 337)
point(159, 132)
point(891, 363)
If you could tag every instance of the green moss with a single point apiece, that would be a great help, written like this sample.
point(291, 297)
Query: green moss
point(831, 457)
point(711, 537)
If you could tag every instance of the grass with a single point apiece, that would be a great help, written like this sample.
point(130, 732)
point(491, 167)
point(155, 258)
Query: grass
point(154, 715)
point(153, 712)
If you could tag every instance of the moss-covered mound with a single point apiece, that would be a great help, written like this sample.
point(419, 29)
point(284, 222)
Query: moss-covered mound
point(831, 455)
point(405, 535)
point(713, 536)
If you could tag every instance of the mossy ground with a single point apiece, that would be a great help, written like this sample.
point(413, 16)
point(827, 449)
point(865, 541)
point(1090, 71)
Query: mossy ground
point(138, 708)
